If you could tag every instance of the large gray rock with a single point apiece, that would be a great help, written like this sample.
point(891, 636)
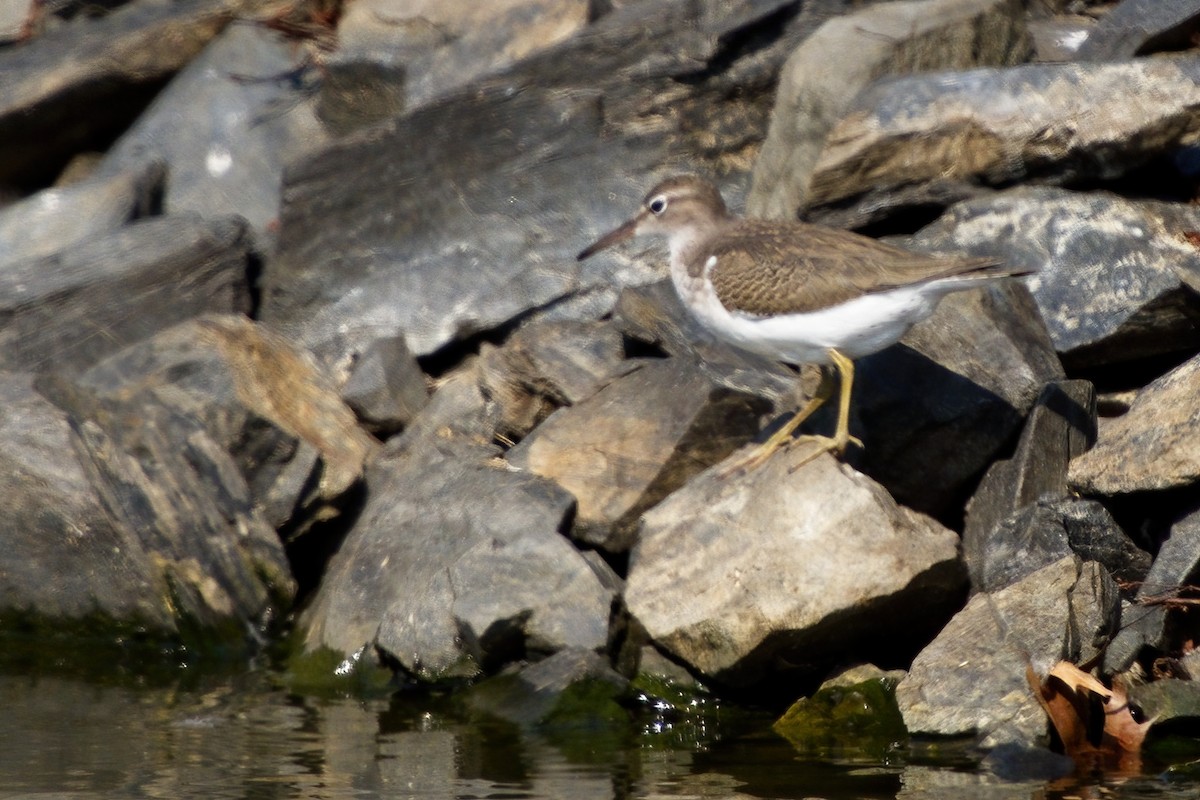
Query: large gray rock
point(971, 679)
point(225, 127)
point(1145, 623)
point(1113, 280)
point(254, 393)
point(778, 576)
point(386, 386)
point(935, 410)
point(63, 556)
point(53, 106)
point(506, 181)
point(635, 441)
point(1141, 27)
point(69, 310)
point(56, 219)
point(393, 53)
point(996, 127)
point(1043, 532)
point(822, 76)
point(143, 528)
point(1153, 446)
point(1061, 426)
point(455, 566)
point(548, 364)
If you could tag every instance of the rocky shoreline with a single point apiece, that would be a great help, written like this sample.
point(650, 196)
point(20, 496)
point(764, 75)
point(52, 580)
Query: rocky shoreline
point(297, 341)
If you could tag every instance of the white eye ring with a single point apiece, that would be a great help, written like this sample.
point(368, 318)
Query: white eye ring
point(658, 205)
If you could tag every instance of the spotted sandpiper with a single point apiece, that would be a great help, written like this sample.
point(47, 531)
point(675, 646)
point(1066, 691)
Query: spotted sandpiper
point(795, 292)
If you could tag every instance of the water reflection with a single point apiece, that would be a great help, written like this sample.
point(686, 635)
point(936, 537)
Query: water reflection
point(248, 738)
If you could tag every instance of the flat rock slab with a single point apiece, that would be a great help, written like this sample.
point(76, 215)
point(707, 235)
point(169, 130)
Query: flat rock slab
point(225, 126)
point(1061, 426)
point(54, 106)
point(1114, 279)
point(1045, 531)
point(137, 529)
point(1139, 27)
point(971, 679)
point(63, 557)
point(55, 219)
point(1153, 446)
point(69, 310)
point(397, 53)
point(506, 180)
point(777, 576)
point(455, 566)
point(1006, 125)
point(255, 393)
point(822, 77)
point(635, 441)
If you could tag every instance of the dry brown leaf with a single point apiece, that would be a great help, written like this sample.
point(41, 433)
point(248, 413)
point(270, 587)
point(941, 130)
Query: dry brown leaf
point(1099, 729)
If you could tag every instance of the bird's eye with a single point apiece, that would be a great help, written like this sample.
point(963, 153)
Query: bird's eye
point(658, 205)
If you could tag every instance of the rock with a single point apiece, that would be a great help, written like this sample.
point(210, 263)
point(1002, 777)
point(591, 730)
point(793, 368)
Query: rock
point(1144, 623)
point(515, 174)
point(53, 107)
point(386, 387)
point(480, 578)
point(69, 310)
point(1154, 446)
point(255, 394)
point(772, 579)
point(935, 410)
point(971, 679)
point(573, 686)
point(1168, 700)
point(852, 720)
point(548, 364)
point(1058, 38)
point(225, 126)
point(1007, 125)
point(1114, 279)
point(394, 53)
point(822, 77)
point(1044, 531)
point(138, 533)
point(14, 15)
point(634, 442)
point(457, 408)
point(1061, 426)
point(1141, 27)
point(54, 220)
point(567, 361)
point(64, 558)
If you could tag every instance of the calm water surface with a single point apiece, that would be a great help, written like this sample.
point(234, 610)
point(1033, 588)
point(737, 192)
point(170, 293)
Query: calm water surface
point(248, 737)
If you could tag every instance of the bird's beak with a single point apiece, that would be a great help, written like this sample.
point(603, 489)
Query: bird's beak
point(616, 236)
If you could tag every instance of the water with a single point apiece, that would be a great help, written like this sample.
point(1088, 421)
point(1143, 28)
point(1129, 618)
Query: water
point(247, 736)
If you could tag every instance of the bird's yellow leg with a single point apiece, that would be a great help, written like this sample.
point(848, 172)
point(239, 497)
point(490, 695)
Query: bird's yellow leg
point(841, 438)
point(841, 434)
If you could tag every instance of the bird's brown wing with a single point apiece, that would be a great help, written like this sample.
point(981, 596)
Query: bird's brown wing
point(766, 268)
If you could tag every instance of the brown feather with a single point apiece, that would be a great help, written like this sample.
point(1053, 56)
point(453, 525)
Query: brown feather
point(768, 268)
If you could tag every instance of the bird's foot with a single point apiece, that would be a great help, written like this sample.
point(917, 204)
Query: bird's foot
point(761, 454)
point(835, 445)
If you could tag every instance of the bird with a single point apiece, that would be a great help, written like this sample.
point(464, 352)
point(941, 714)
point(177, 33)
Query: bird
point(795, 292)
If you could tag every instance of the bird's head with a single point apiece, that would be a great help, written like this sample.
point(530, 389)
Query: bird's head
point(676, 207)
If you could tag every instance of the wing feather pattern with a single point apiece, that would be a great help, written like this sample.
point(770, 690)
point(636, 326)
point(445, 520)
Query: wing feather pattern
point(761, 271)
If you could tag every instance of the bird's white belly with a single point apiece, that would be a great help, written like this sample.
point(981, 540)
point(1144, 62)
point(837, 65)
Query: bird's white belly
point(855, 328)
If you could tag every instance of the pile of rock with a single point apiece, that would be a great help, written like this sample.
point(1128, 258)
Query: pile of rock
point(381, 372)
